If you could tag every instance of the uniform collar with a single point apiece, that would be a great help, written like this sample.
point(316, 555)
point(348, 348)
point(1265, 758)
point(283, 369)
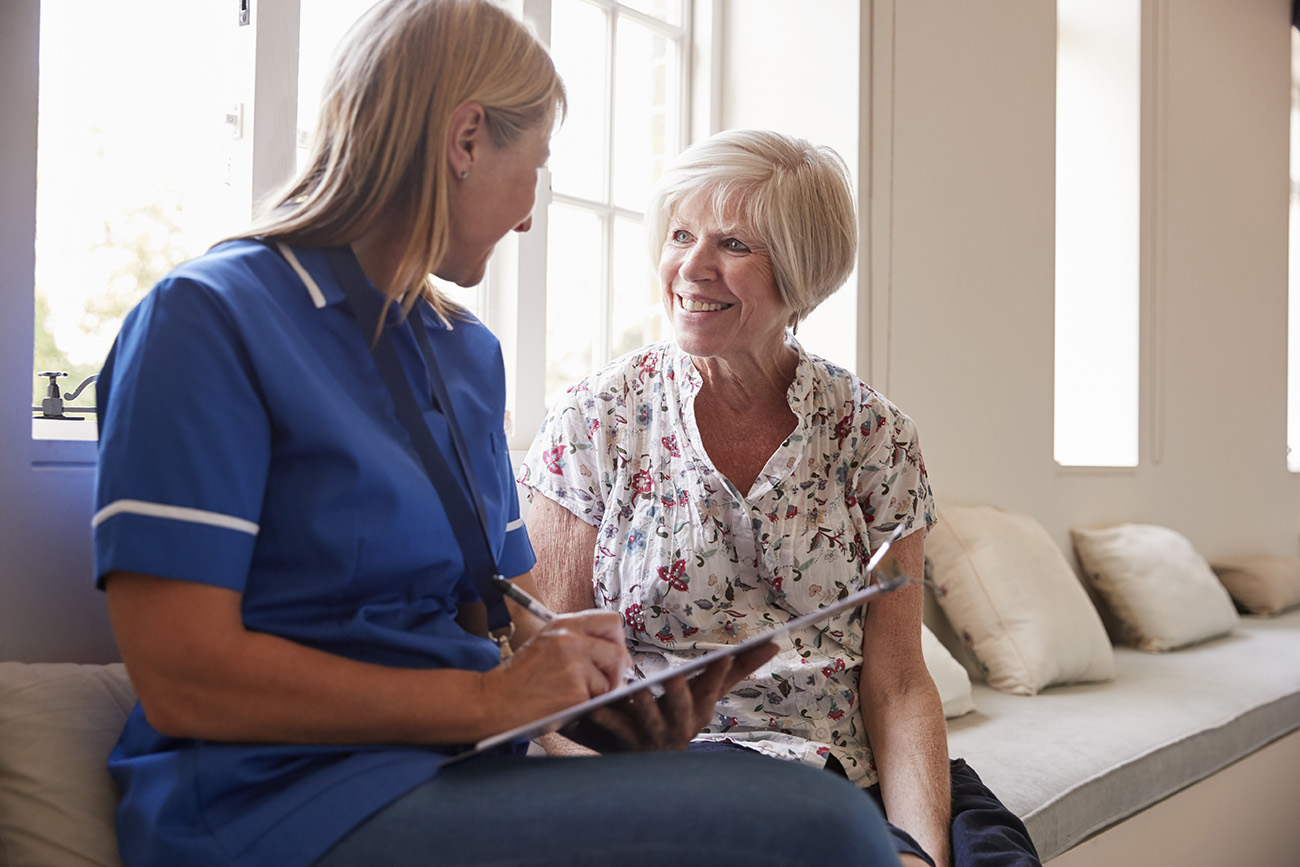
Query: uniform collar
point(312, 267)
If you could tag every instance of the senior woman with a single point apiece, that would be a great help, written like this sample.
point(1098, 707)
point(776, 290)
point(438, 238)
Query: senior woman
point(709, 487)
point(297, 553)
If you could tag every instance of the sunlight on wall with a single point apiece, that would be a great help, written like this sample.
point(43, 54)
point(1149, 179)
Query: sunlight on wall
point(1097, 202)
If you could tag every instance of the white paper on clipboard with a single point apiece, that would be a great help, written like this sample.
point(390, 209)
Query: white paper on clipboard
point(882, 566)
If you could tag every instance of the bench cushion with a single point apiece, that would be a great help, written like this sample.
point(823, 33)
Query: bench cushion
point(1073, 760)
point(58, 723)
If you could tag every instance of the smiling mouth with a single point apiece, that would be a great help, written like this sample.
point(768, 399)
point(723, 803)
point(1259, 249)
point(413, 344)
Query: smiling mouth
point(700, 306)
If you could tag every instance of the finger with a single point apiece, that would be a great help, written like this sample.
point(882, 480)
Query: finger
point(600, 665)
point(621, 730)
point(606, 630)
point(606, 625)
point(645, 713)
point(744, 664)
point(612, 661)
point(712, 682)
point(677, 710)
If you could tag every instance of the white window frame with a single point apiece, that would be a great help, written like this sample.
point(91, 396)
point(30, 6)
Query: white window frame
point(512, 299)
point(516, 286)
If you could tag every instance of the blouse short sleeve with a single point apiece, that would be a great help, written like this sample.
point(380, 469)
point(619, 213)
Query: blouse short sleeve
point(573, 459)
point(891, 486)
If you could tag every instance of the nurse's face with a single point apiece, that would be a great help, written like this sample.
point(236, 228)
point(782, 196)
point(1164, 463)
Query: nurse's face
point(496, 197)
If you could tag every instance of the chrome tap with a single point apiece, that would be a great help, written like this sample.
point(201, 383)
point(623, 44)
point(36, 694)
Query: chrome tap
point(52, 406)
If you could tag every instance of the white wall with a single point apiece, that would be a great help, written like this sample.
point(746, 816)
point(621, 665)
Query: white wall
point(956, 294)
point(799, 74)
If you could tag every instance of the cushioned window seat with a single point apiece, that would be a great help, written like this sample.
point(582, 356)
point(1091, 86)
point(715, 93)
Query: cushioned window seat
point(1071, 761)
point(1076, 759)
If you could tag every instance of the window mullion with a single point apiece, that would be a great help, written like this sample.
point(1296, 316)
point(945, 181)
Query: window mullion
point(601, 349)
point(274, 139)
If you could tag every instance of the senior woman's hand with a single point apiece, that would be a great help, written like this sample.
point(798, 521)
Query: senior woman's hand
point(642, 722)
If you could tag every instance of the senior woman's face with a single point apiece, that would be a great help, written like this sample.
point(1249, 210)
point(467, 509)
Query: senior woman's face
point(718, 284)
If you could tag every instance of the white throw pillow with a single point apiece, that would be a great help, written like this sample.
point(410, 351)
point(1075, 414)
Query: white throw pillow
point(1012, 598)
point(1260, 584)
point(1159, 589)
point(949, 676)
point(58, 723)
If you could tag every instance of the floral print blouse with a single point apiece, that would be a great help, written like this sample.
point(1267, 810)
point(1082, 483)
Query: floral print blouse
point(692, 563)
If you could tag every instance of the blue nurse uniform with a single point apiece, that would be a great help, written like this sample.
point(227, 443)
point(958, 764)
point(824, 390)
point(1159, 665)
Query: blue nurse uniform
point(247, 442)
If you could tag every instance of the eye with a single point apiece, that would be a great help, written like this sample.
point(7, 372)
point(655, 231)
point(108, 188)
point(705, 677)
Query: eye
point(680, 236)
point(733, 246)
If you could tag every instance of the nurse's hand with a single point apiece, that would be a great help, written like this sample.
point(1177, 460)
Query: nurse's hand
point(571, 659)
point(669, 722)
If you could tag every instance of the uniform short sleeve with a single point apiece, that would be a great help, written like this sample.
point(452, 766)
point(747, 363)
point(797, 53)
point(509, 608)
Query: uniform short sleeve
point(184, 442)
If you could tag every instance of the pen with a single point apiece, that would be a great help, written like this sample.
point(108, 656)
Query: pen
point(522, 599)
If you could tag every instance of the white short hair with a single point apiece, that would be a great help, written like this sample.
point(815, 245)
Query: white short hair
point(794, 195)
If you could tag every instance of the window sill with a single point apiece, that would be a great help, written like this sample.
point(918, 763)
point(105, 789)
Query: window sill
point(64, 443)
point(1065, 470)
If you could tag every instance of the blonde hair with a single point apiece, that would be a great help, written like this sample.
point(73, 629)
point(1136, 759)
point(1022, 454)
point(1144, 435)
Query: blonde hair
point(381, 142)
point(796, 196)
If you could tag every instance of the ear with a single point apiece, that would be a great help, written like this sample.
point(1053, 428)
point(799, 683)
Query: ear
point(465, 134)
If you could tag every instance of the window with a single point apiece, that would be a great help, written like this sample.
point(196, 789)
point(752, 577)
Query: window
point(1097, 238)
point(133, 166)
point(140, 170)
point(623, 67)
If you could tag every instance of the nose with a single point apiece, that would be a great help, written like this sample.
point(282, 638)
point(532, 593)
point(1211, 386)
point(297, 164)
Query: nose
point(525, 225)
point(697, 264)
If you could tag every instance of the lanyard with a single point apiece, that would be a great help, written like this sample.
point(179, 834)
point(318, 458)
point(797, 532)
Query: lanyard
point(370, 306)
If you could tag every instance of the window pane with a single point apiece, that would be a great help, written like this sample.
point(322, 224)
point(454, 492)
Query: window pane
point(1097, 197)
point(579, 38)
point(133, 163)
point(666, 10)
point(645, 111)
point(573, 297)
point(637, 303)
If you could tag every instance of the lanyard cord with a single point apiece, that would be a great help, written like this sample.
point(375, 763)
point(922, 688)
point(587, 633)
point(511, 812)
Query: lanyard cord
point(369, 306)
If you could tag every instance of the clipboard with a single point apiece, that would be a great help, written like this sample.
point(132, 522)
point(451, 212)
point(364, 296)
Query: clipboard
point(882, 566)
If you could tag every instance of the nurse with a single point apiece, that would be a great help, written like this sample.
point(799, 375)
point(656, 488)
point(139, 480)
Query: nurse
point(304, 486)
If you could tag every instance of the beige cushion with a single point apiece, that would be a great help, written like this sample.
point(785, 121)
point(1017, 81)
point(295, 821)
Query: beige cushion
point(949, 676)
point(58, 723)
point(1261, 584)
point(1011, 596)
point(1159, 589)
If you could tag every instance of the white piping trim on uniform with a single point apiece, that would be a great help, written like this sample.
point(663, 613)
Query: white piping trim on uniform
point(514, 525)
point(317, 297)
point(175, 513)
